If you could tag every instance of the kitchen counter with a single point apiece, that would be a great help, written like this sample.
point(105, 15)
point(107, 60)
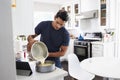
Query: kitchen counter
point(106, 49)
point(57, 74)
point(101, 42)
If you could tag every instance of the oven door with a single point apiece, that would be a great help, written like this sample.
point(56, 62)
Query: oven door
point(81, 52)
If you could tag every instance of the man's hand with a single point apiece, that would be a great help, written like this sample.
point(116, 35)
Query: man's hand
point(30, 43)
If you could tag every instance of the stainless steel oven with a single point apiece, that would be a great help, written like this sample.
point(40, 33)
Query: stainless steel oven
point(82, 49)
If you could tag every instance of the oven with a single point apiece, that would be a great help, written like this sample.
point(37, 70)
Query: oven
point(82, 49)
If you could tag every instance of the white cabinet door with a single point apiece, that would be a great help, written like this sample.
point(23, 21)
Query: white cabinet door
point(109, 49)
point(107, 14)
point(97, 50)
point(112, 12)
point(73, 8)
point(105, 49)
point(88, 5)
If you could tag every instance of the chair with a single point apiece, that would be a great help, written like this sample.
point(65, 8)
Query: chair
point(75, 70)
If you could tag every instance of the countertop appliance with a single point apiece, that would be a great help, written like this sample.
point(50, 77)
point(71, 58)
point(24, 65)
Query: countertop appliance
point(83, 48)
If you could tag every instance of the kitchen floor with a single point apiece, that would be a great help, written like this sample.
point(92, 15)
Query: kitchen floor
point(65, 67)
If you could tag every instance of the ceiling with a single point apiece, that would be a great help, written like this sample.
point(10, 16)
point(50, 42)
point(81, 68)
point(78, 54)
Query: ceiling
point(60, 2)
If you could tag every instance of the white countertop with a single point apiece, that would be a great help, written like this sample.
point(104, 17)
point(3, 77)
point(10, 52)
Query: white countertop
point(57, 74)
point(102, 66)
point(101, 42)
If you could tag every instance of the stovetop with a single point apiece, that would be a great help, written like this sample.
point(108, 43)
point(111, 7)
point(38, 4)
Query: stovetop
point(90, 37)
point(84, 42)
point(88, 40)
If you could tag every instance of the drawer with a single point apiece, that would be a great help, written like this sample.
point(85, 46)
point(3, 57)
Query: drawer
point(97, 47)
point(97, 54)
point(97, 50)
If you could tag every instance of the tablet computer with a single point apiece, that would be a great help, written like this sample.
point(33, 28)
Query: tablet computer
point(23, 68)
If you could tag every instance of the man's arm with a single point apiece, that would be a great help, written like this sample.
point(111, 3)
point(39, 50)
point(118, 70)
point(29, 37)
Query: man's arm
point(31, 41)
point(59, 53)
point(31, 37)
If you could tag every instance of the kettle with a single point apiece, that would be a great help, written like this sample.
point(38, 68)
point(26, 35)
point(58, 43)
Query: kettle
point(80, 38)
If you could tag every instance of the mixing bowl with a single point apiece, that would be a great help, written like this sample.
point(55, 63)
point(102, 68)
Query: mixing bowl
point(48, 66)
point(39, 51)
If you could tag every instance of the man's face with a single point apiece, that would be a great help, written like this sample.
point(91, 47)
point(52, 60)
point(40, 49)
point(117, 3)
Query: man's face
point(58, 23)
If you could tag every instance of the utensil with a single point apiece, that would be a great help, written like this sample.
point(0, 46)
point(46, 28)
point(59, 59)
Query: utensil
point(39, 51)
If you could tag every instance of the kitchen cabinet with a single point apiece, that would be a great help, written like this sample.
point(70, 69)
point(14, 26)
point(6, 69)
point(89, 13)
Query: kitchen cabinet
point(89, 5)
point(88, 15)
point(112, 15)
point(97, 50)
point(73, 8)
point(105, 49)
point(107, 13)
point(103, 12)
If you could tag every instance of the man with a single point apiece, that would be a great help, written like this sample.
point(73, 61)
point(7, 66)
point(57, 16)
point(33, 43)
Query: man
point(54, 35)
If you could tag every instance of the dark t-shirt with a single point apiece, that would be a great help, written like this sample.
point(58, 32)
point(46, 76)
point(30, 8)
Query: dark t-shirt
point(51, 37)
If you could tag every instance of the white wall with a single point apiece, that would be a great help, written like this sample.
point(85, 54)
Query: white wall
point(117, 53)
point(90, 25)
point(44, 11)
point(45, 7)
point(23, 21)
point(119, 30)
point(42, 16)
point(7, 61)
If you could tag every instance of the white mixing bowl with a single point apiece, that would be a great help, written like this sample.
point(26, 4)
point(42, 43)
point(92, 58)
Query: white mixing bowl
point(39, 49)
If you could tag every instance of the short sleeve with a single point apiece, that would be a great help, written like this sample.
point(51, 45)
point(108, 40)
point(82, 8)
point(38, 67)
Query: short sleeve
point(66, 39)
point(39, 28)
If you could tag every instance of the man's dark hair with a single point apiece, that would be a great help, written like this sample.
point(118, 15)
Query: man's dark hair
point(62, 14)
